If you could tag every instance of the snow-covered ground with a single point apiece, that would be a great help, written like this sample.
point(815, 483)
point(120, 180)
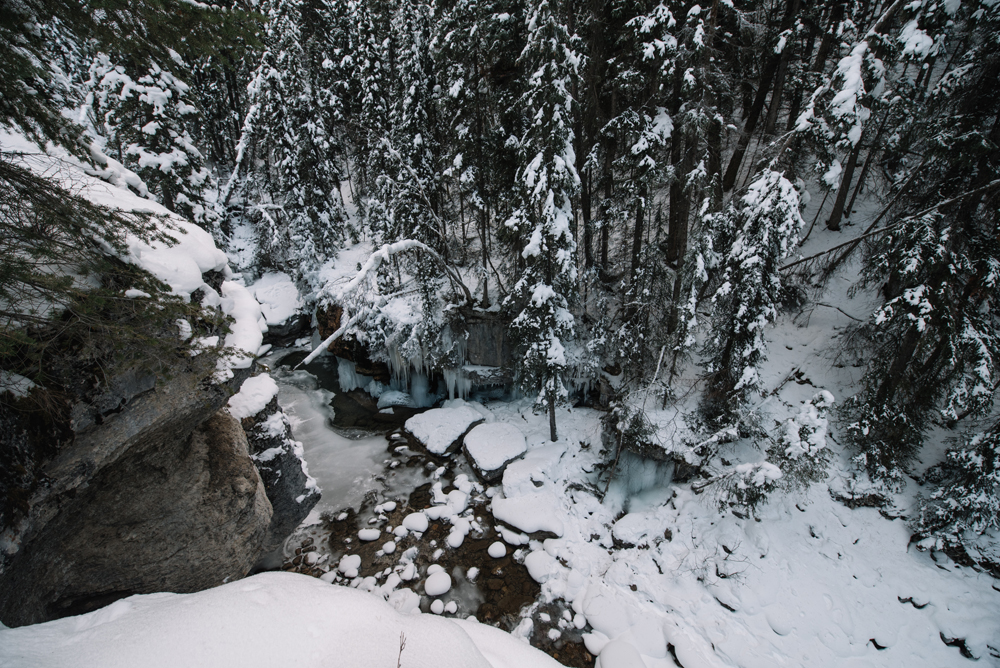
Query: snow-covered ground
point(656, 578)
point(271, 619)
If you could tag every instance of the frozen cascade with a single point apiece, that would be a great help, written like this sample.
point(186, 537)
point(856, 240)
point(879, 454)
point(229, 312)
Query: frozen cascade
point(350, 379)
point(420, 391)
point(459, 385)
point(637, 476)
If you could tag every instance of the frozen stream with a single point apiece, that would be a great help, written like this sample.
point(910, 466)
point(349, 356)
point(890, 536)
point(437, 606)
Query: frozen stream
point(346, 467)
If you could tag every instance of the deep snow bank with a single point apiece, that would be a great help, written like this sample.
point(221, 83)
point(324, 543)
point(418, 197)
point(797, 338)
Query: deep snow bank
point(271, 619)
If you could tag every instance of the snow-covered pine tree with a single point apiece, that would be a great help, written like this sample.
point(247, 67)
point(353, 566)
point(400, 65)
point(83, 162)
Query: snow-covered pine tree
point(542, 218)
point(475, 50)
point(373, 84)
point(966, 503)
point(296, 205)
point(938, 266)
point(646, 51)
point(411, 189)
point(755, 232)
point(143, 118)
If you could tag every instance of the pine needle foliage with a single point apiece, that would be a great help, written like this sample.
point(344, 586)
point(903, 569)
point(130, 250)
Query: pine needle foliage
point(62, 286)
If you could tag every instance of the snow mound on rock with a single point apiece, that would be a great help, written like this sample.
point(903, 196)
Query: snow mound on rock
point(439, 428)
point(295, 620)
point(491, 446)
point(254, 396)
point(279, 298)
point(531, 512)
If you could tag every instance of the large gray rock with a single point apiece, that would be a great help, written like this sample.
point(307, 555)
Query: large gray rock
point(278, 457)
point(156, 494)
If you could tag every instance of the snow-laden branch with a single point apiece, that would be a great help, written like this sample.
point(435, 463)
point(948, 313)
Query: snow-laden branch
point(372, 265)
point(858, 239)
point(387, 251)
point(333, 337)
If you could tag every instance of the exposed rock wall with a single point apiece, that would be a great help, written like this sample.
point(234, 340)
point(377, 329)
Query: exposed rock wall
point(278, 457)
point(159, 494)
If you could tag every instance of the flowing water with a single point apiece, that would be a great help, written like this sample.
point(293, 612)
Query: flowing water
point(346, 466)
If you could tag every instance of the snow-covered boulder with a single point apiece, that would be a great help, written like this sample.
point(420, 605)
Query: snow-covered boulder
point(491, 447)
point(440, 430)
point(531, 513)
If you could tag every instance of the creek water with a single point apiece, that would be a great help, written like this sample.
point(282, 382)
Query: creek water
point(347, 466)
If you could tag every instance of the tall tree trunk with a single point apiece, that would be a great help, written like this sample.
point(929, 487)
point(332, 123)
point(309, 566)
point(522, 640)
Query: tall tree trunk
point(833, 223)
point(873, 152)
point(779, 84)
point(637, 231)
point(796, 104)
point(553, 436)
point(588, 224)
point(766, 78)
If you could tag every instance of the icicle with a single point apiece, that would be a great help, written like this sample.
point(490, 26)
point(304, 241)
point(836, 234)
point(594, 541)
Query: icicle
point(350, 379)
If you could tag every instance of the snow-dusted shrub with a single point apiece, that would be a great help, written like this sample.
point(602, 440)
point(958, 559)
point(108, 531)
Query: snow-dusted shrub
point(745, 486)
point(801, 452)
point(626, 427)
point(966, 503)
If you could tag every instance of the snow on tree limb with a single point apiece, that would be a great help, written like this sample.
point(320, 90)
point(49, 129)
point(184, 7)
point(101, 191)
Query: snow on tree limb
point(375, 260)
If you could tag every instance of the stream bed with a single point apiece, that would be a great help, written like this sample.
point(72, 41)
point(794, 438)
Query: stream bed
point(378, 487)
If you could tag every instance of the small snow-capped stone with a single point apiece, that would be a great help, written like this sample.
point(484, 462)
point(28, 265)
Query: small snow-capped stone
point(451, 607)
point(386, 507)
point(399, 532)
point(437, 584)
point(368, 535)
point(497, 550)
point(415, 522)
point(389, 547)
point(349, 565)
point(437, 606)
point(434, 568)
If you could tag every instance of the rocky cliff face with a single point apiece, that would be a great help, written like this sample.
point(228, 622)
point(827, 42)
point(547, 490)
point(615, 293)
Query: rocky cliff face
point(153, 490)
point(278, 457)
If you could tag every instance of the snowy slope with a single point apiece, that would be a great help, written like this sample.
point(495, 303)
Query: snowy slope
point(812, 583)
point(180, 265)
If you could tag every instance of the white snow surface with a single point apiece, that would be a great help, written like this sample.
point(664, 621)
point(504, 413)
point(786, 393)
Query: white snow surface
point(271, 619)
point(438, 428)
point(279, 298)
point(493, 445)
point(253, 397)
